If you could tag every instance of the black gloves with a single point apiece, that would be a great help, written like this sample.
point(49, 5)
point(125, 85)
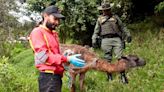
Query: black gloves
point(94, 45)
point(129, 39)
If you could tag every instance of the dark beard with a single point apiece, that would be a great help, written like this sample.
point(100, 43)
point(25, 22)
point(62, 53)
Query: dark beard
point(50, 26)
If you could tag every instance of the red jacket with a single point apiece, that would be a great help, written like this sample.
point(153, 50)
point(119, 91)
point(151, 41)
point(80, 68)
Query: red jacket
point(42, 39)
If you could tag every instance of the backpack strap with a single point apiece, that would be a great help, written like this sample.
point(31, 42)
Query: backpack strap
point(47, 43)
point(102, 19)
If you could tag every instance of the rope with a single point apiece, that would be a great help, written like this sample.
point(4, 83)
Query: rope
point(67, 68)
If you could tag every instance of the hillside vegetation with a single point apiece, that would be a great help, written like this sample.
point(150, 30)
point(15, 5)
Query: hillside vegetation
point(18, 74)
point(146, 23)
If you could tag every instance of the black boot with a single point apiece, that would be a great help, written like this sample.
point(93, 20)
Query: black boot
point(124, 78)
point(109, 77)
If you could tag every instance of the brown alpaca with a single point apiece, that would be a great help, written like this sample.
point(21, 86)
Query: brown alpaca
point(93, 62)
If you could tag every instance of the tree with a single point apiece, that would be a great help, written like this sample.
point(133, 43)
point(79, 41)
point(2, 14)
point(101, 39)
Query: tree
point(80, 19)
point(10, 28)
point(81, 15)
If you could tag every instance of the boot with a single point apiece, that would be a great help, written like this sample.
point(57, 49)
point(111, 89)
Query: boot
point(124, 78)
point(109, 77)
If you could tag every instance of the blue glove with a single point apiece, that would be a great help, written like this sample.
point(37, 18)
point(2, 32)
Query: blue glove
point(73, 59)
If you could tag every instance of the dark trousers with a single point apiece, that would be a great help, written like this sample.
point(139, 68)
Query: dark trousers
point(49, 82)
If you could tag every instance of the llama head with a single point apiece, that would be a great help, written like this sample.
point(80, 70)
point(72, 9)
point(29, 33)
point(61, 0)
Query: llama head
point(134, 60)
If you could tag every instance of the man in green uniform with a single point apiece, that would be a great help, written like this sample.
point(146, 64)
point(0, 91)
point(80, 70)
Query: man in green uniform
point(113, 35)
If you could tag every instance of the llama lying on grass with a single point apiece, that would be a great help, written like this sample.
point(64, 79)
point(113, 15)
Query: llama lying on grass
point(95, 63)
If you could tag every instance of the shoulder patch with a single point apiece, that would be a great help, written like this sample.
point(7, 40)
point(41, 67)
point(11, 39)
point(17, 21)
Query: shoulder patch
point(101, 19)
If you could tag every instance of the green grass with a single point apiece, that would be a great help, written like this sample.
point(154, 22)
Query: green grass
point(20, 75)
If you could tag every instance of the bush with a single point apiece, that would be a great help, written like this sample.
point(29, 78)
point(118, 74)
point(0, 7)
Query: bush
point(10, 49)
point(160, 8)
point(18, 76)
point(7, 75)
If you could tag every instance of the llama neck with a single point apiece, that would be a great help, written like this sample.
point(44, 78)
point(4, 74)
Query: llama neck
point(103, 65)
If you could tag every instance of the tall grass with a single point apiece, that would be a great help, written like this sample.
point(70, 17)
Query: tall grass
point(18, 75)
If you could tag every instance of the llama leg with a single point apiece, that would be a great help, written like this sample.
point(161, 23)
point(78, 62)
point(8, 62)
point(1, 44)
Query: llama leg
point(124, 78)
point(81, 79)
point(109, 75)
point(72, 84)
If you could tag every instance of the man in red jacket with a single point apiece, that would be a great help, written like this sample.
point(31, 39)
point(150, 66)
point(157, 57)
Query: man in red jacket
point(48, 59)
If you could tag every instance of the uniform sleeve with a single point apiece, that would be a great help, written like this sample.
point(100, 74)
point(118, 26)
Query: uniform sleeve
point(38, 44)
point(123, 28)
point(96, 32)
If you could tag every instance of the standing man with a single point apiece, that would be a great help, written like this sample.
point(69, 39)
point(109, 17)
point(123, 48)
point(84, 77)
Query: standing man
point(48, 60)
point(111, 30)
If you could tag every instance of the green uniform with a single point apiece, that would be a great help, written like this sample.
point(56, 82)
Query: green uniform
point(113, 34)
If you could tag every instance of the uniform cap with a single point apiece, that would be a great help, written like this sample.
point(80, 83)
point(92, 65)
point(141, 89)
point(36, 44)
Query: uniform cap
point(104, 6)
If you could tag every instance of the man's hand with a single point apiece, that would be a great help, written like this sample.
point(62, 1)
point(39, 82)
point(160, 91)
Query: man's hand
point(68, 52)
point(73, 59)
point(129, 39)
point(94, 44)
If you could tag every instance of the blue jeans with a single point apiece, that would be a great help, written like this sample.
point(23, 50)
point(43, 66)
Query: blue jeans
point(49, 82)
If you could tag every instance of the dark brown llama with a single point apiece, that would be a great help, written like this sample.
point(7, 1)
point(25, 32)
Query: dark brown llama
point(94, 62)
